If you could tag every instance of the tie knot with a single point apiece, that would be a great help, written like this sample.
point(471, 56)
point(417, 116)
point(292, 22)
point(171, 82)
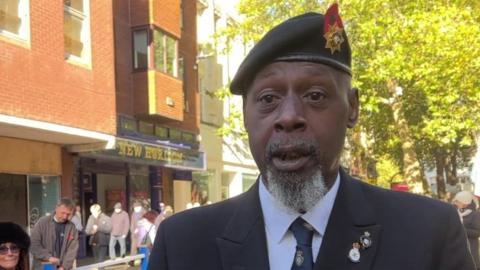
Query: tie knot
point(302, 231)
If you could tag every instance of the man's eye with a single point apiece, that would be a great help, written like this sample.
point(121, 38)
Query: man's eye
point(315, 96)
point(267, 99)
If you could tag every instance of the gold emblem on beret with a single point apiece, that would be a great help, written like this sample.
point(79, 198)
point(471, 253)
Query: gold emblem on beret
point(334, 38)
point(333, 29)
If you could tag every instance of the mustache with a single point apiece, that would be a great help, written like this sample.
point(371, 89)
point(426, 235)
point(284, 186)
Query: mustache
point(280, 147)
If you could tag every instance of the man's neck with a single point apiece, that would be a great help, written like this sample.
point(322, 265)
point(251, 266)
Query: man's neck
point(55, 219)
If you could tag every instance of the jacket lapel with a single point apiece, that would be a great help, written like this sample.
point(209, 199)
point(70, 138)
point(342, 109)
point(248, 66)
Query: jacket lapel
point(243, 243)
point(51, 231)
point(351, 218)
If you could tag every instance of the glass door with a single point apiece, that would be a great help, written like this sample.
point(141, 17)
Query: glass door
point(44, 194)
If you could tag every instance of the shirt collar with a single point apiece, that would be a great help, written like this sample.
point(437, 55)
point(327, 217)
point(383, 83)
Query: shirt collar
point(278, 218)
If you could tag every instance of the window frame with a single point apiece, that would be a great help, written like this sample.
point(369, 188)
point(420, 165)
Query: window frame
point(24, 32)
point(149, 53)
point(151, 47)
point(85, 34)
point(165, 38)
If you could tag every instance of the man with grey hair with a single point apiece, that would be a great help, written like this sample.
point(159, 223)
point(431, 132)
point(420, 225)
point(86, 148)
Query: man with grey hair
point(305, 212)
point(55, 239)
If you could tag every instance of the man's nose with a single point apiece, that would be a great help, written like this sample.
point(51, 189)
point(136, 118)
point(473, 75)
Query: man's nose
point(291, 116)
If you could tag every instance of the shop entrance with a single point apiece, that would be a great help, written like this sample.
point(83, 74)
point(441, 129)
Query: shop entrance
point(33, 196)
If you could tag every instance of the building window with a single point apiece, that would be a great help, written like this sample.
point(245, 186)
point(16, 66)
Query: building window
point(140, 49)
point(166, 53)
point(44, 194)
point(77, 30)
point(33, 197)
point(14, 20)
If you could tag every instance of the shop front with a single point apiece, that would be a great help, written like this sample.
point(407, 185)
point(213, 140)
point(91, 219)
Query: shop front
point(29, 180)
point(136, 171)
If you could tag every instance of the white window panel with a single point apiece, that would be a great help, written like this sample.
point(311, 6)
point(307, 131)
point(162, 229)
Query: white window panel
point(77, 38)
point(14, 19)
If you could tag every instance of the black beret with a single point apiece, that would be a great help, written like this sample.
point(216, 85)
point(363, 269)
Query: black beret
point(301, 38)
point(11, 232)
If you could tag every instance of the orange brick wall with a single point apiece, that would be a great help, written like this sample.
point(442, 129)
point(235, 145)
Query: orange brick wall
point(168, 86)
point(37, 83)
point(123, 56)
point(132, 86)
point(165, 86)
point(139, 11)
point(188, 50)
point(140, 80)
point(166, 15)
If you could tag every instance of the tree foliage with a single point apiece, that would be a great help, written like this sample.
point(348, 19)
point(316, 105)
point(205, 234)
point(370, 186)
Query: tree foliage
point(417, 65)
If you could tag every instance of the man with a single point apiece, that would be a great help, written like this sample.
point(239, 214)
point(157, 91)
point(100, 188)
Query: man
point(467, 209)
point(120, 227)
point(55, 239)
point(98, 226)
point(305, 212)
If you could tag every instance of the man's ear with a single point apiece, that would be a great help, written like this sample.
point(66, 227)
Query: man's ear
point(353, 106)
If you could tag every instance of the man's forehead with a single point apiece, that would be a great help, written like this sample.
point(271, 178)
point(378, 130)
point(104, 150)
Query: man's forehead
point(274, 70)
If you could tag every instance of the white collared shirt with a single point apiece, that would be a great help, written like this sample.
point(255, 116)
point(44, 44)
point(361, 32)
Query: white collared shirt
point(281, 243)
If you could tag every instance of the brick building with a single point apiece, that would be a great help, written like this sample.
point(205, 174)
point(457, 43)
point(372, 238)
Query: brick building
point(98, 101)
point(157, 109)
point(57, 90)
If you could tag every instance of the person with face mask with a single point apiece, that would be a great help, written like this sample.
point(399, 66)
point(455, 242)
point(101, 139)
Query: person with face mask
point(98, 227)
point(470, 217)
point(55, 238)
point(136, 231)
point(120, 226)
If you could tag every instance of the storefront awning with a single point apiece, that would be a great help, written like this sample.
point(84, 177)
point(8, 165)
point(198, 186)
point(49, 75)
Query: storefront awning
point(139, 152)
point(72, 137)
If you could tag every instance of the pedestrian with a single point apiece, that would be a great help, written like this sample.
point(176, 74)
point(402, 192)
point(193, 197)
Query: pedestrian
point(470, 216)
point(55, 238)
point(305, 211)
point(166, 212)
point(78, 222)
point(136, 232)
point(120, 227)
point(98, 227)
point(77, 218)
point(148, 224)
point(14, 244)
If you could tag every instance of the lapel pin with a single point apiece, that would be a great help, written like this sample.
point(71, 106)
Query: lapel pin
point(366, 240)
point(354, 253)
point(299, 258)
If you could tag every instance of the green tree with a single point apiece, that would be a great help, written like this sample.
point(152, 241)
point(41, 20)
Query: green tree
point(416, 64)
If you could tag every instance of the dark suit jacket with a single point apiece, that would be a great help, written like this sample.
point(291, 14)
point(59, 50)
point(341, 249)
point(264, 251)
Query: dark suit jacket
point(408, 232)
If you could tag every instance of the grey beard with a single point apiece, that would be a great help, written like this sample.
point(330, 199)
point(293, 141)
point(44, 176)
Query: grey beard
point(297, 191)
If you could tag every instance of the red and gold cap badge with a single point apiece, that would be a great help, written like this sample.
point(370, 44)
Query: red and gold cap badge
point(333, 29)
